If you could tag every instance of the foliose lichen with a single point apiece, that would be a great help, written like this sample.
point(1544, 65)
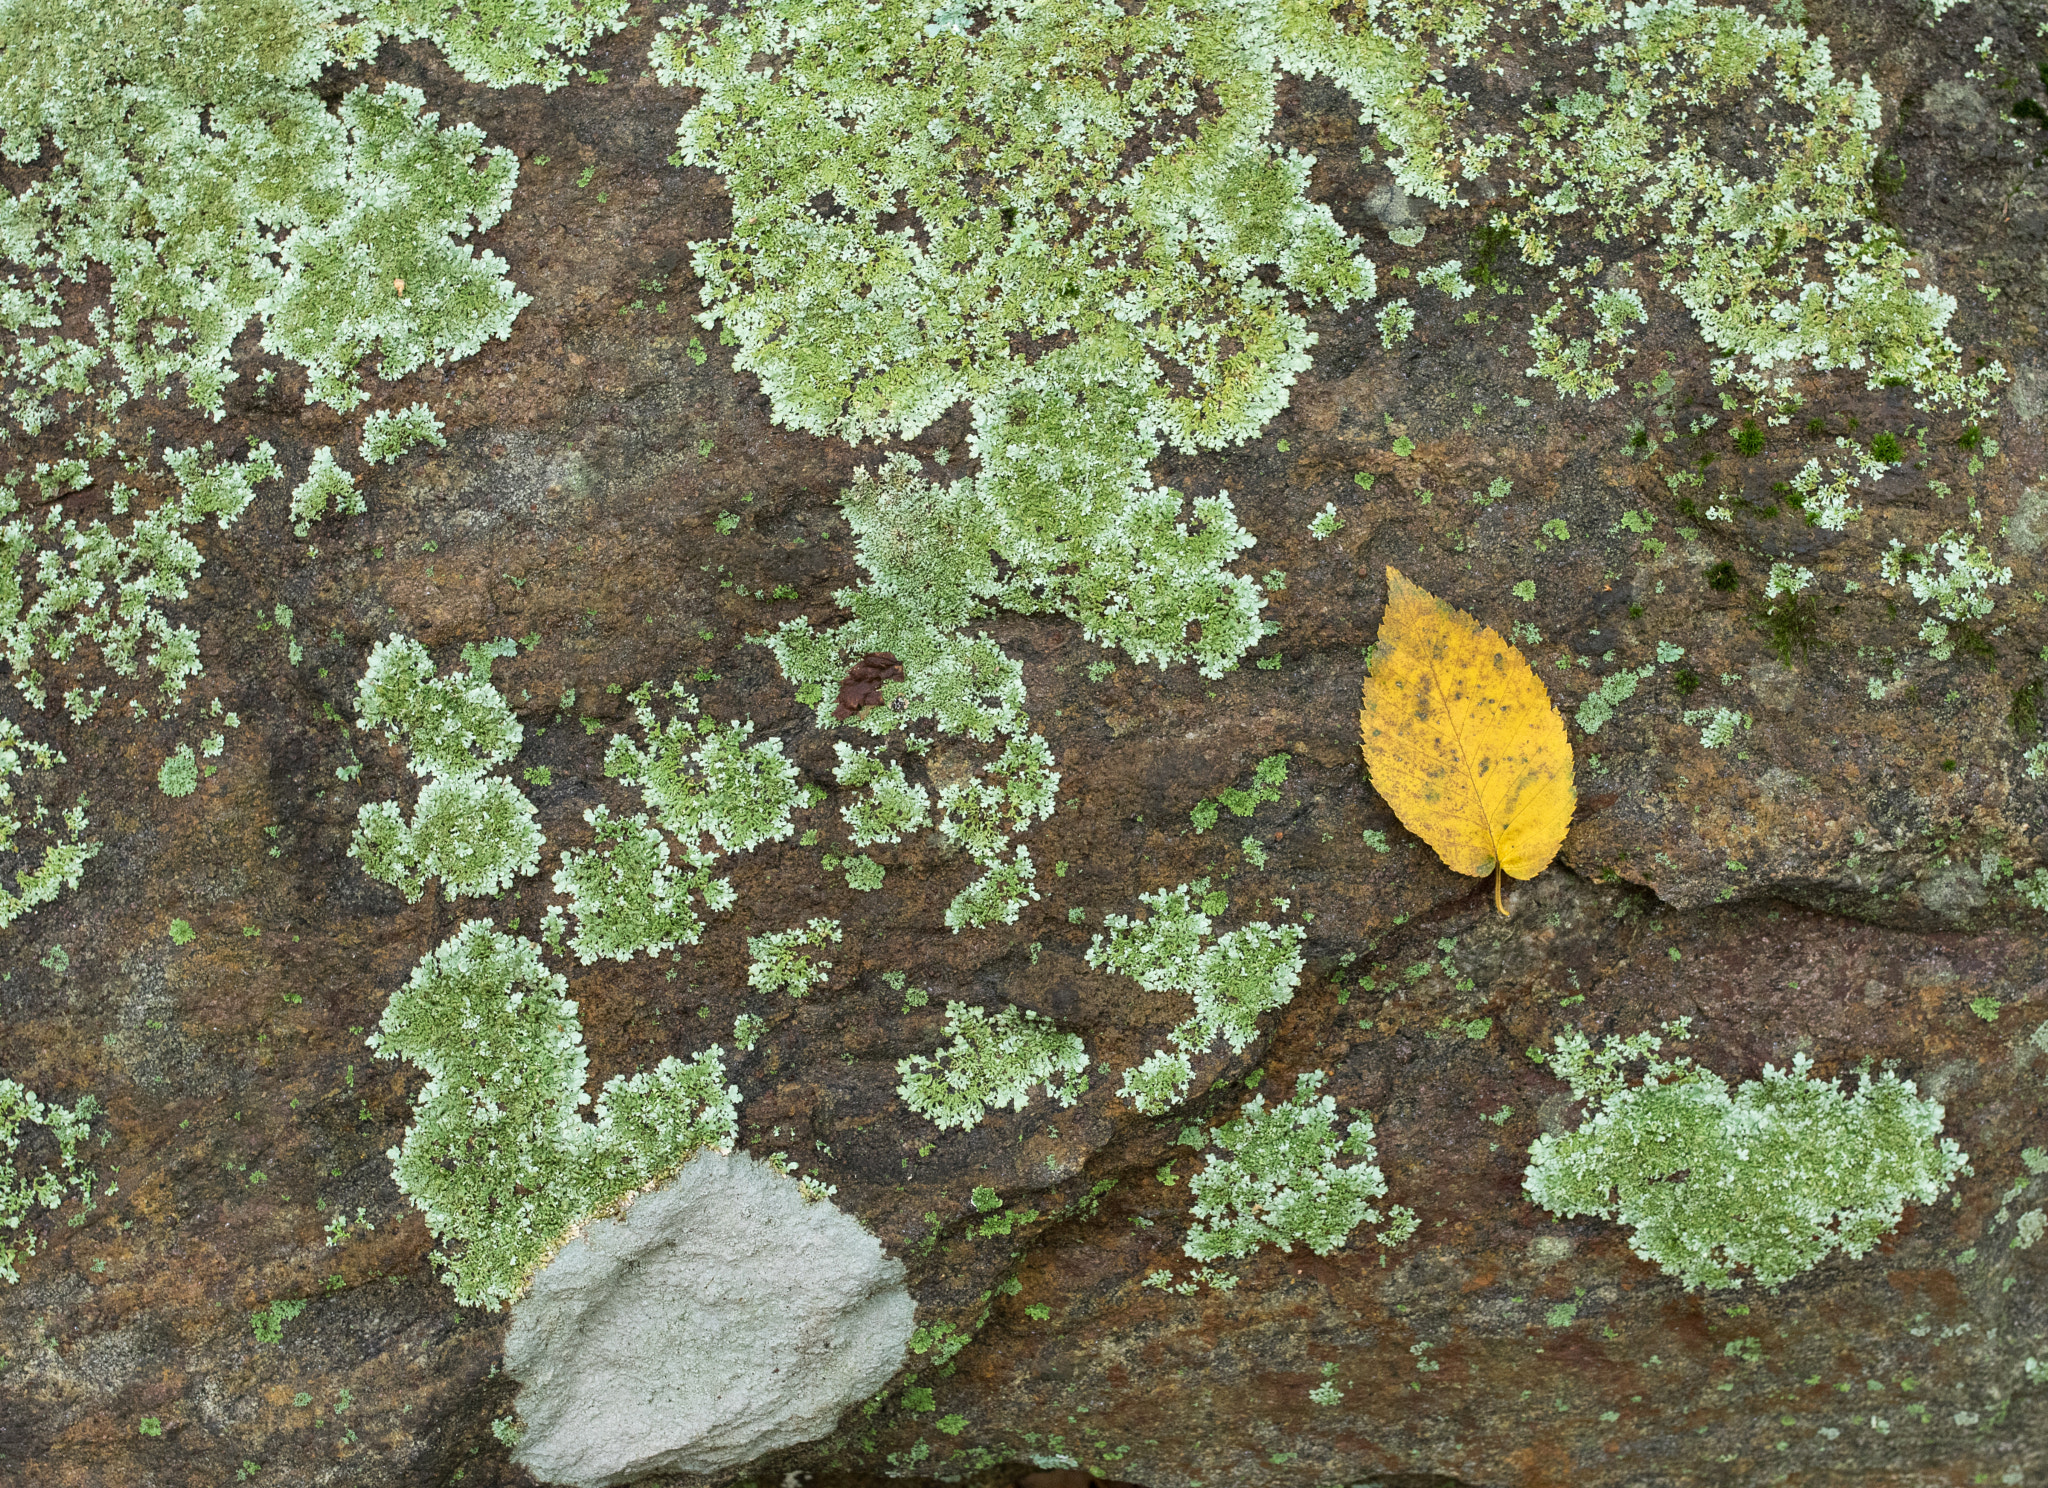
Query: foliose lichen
point(1282, 1184)
point(20, 1192)
point(1232, 980)
point(1767, 1179)
point(994, 1060)
point(473, 831)
point(64, 858)
point(781, 961)
point(497, 1157)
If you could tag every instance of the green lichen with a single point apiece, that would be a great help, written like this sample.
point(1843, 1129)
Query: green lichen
point(1768, 1178)
point(20, 1193)
point(453, 726)
point(857, 330)
point(1614, 690)
point(1281, 1183)
point(703, 779)
point(889, 805)
point(474, 832)
point(497, 1157)
point(178, 775)
point(1954, 573)
point(994, 1060)
point(915, 608)
point(781, 961)
point(189, 155)
point(626, 896)
point(64, 858)
point(187, 159)
point(325, 482)
point(388, 434)
point(1232, 980)
point(95, 584)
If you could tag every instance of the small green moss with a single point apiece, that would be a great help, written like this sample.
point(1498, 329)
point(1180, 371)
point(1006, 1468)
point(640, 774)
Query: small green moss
point(268, 1322)
point(1722, 577)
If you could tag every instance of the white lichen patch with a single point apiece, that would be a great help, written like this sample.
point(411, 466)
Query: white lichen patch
point(718, 1318)
point(1768, 1178)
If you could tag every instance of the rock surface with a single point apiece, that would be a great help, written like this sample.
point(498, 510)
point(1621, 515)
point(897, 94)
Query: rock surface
point(1836, 883)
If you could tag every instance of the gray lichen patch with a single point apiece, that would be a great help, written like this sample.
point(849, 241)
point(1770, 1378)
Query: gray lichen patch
point(718, 1318)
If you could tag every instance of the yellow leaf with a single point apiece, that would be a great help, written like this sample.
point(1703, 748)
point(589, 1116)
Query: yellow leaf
point(1463, 741)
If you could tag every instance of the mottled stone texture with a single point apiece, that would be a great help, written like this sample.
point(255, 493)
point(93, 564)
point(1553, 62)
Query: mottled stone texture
point(1820, 887)
point(721, 1316)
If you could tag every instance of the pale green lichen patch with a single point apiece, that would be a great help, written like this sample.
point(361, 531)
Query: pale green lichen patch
point(188, 153)
point(475, 833)
point(857, 330)
point(178, 775)
point(63, 859)
point(1231, 980)
point(20, 1192)
point(626, 896)
point(701, 778)
point(781, 961)
point(888, 805)
point(497, 1157)
point(1282, 1184)
point(184, 155)
point(705, 785)
point(94, 585)
point(325, 483)
point(454, 726)
point(472, 831)
point(926, 550)
point(1768, 1178)
point(994, 1060)
point(388, 434)
point(1780, 260)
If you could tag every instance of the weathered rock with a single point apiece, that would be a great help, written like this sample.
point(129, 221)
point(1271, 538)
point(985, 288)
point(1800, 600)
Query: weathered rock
point(720, 1317)
point(1836, 881)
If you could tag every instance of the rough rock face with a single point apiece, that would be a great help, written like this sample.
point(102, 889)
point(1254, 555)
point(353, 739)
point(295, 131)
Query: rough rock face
point(256, 1300)
point(720, 1317)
